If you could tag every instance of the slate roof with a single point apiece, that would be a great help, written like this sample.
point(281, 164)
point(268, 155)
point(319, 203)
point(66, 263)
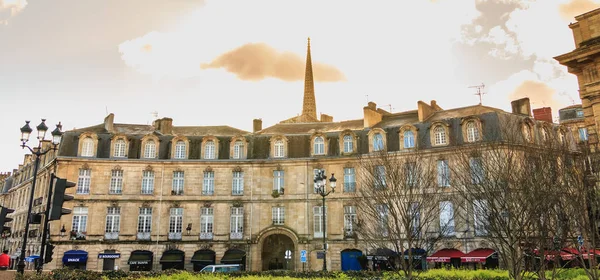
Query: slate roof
point(310, 128)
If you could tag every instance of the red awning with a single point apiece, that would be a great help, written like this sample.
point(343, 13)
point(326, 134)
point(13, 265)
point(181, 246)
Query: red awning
point(565, 254)
point(444, 255)
point(477, 255)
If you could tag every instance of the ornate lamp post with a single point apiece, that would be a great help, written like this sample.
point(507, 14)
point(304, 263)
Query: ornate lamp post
point(321, 185)
point(37, 152)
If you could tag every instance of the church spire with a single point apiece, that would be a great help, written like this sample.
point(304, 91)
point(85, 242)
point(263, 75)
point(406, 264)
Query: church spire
point(309, 105)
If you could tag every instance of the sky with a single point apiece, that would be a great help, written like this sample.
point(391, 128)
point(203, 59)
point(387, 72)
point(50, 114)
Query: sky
point(227, 62)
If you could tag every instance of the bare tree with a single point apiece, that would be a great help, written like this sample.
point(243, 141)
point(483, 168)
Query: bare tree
point(399, 202)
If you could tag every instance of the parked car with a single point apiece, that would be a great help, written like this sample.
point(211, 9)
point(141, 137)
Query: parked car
point(221, 268)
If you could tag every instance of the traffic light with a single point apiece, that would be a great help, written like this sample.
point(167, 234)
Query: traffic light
point(59, 198)
point(48, 253)
point(3, 219)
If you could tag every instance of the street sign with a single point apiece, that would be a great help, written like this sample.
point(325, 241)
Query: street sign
point(320, 255)
point(288, 254)
point(303, 256)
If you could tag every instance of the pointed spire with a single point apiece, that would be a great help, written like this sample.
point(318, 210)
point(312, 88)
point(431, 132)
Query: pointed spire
point(309, 106)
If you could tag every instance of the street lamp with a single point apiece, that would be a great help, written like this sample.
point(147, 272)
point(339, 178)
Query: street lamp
point(63, 230)
point(189, 229)
point(321, 185)
point(37, 152)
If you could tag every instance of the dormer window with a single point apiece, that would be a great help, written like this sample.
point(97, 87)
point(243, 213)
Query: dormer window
point(527, 133)
point(120, 148)
point(472, 132)
point(238, 149)
point(87, 147)
point(348, 144)
point(180, 149)
point(377, 142)
point(209, 150)
point(319, 146)
point(409, 139)
point(439, 134)
point(150, 149)
point(279, 150)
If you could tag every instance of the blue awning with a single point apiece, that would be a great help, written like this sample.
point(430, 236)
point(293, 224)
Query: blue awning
point(32, 258)
point(75, 256)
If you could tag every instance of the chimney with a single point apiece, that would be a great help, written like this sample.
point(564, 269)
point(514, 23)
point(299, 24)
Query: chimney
point(256, 125)
point(371, 115)
point(109, 122)
point(425, 110)
point(164, 125)
point(521, 106)
point(543, 114)
point(326, 118)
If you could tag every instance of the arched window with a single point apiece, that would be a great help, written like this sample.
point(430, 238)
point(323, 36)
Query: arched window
point(472, 132)
point(319, 146)
point(409, 139)
point(87, 147)
point(377, 142)
point(279, 149)
point(180, 149)
point(150, 149)
point(209, 149)
point(238, 149)
point(348, 144)
point(120, 148)
point(440, 135)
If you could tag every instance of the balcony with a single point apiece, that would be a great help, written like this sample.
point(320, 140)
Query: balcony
point(174, 235)
point(236, 235)
point(206, 235)
point(349, 233)
point(237, 192)
point(111, 235)
point(208, 192)
point(143, 236)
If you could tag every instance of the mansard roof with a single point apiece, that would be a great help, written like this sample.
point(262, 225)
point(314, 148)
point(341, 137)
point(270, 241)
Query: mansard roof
point(310, 128)
point(137, 129)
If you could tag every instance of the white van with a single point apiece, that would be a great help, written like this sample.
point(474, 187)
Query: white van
point(223, 268)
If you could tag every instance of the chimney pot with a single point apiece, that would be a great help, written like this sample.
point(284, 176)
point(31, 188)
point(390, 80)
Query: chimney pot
point(256, 125)
point(543, 114)
point(521, 106)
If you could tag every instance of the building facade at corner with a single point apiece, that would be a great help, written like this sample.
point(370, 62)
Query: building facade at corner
point(164, 196)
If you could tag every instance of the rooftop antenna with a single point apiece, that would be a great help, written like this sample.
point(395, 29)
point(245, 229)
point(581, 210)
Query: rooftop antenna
point(390, 106)
point(480, 92)
point(367, 96)
point(106, 109)
point(563, 93)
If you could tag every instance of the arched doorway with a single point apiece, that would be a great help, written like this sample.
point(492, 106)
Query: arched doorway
point(273, 252)
point(351, 259)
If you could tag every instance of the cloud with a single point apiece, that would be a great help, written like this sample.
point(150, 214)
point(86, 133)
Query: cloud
point(569, 10)
point(540, 94)
point(257, 61)
point(10, 8)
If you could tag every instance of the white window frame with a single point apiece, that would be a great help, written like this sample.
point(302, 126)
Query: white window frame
point(349, 179)
point(409, 139)
point(150, 149)
point(279, 149)
point(443, 173)
point(476, 170)
point(87, 147)
point(147, 182)
point(378, 142)
point(208, 184)
point(348, 143)
point(84, 181)
point(439, 133)
point(278, 180)
point(207, 222)
point(180, 149)
point(480, 213)
point(278, 215)
point(350, 219)
point(175, 220)
point(178, 182)
point(210, 150)
point(318, 221)
point(238, 149)
point(237, 183)
point(113, 220)
point(236, 221)
point(79, 222)
point(145, 220)
point(319, 145)
point(116, 182)
point(472, 132)
point(447, 218)
point(120, 148)
point(383, 211)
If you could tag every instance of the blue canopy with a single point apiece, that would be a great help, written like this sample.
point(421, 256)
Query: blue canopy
point(32, 258)
point(75, 256)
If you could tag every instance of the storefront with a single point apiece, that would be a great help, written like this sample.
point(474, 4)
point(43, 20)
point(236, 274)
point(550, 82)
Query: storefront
point(446, 257)
point(481, 258)
point(140, 260)
point(234, 256)
point(383, 259)
point(108, 258)
point(203, 258)
point(173, 259)
point(75, 259)
point(418, 258)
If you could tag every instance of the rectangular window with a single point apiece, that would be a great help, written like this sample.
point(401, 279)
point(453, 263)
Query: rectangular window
point(415, 219)
point(236, 223)
point(446, 218)
point(383, 219)
point(318, 220)
point(315, 172)
point(145, 220)
point(113, 220)
point(206, 223)
point(583, 135)
point(349, 180)
point(480, 217)
point(84, 181)
point(477, 174)
point(116, 182)
point(175, 220)
point(380, 176)
point(278, 215)
point(278, 181)
point(349, 220)
point(410, 172)
point(208, 188)
point(579, 113)
point(80, 215)
point(147, 182)
point(443, 173)
point(237, 187)
point(238, 150)
point(178, 181)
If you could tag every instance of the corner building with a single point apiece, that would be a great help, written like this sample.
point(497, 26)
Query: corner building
point(163, 196)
